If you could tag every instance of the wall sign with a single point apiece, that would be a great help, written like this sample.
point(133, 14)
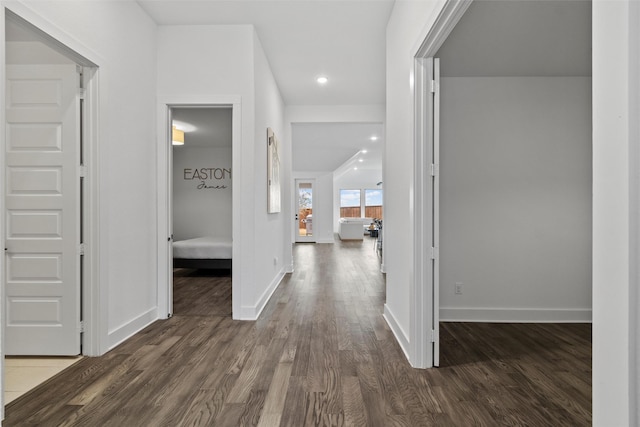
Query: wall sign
point(207, 178)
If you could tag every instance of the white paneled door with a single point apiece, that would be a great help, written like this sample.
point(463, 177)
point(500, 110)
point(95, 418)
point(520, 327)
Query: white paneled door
point(42, 190)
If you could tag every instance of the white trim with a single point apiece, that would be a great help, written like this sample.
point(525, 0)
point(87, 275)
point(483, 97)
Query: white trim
point(165, 102)
point(252, 312)
point(54, 36)
point(421, 319)
point(132, 327)
point(94, 341)
point(515, 315)
point(3, 79)
point(634, 203)
point(434, 35)
point(398, 332)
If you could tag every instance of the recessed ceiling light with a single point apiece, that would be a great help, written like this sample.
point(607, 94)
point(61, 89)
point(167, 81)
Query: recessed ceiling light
point(364, 151)
point(355, 169)
point(374, 138)
point(360, 160)
point(322, 80)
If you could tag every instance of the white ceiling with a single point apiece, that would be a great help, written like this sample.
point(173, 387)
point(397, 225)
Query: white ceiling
point(204, 127)
point(302, 39)
point(325, 147)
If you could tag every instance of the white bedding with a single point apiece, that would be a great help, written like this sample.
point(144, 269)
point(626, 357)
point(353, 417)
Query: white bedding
point(203, 248)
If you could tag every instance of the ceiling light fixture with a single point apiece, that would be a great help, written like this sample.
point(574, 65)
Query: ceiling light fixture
point(177, 136)
point(364, 151)
point(360, 160)
point(322, 80)
point(355, 169)
point(374, 138)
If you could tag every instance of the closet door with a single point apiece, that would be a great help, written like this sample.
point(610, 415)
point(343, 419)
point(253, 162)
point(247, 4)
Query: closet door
point(42, 178)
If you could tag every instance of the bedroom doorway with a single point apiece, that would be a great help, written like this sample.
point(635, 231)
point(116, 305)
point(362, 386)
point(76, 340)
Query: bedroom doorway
point(201, 208)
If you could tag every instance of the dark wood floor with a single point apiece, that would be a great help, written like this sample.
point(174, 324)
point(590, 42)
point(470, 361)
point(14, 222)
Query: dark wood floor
point(320, 354)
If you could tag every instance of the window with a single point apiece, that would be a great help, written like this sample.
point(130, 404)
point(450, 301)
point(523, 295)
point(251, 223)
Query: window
point(373, 204)
point(350, 204)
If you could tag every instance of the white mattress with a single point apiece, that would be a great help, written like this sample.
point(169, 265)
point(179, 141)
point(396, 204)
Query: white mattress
point(203, 248)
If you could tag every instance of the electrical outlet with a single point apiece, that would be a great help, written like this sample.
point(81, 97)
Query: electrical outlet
point(458, 288)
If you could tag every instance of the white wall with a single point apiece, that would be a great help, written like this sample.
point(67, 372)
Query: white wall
point(33, 53)
point(270, 232)
point(406, 28)
point(202, 210)
point(228, 60)
point(119, 37)
point(515, 214)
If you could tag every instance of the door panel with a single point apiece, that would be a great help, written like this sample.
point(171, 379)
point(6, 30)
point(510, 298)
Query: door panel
point(42, 211)
point(304, 215)
point(436, 212)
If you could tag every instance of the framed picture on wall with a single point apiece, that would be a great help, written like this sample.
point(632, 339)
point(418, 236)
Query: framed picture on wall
point(273, 172)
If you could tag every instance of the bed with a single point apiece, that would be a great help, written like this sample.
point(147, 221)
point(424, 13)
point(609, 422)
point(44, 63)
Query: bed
point(203, 252)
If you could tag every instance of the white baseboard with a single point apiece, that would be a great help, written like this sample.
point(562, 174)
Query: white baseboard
point(252, 312)
point(518, 315)
point(397, 330)
point(129, 329)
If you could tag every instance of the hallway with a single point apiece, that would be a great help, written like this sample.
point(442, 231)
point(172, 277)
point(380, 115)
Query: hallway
point(320, 354)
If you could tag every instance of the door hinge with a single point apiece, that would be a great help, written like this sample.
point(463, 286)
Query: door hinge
point(82, 171)
point(434, 169)
point(433, 86)
point(81, 326)
point(81, 249)
point(434, 336)
point(434, 253)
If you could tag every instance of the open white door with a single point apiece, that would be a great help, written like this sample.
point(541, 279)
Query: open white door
point(436, 211)
point(42, 176)
point(304, 210)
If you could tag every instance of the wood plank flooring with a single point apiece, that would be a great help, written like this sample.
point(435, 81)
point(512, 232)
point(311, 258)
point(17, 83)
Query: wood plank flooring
point(320, 355)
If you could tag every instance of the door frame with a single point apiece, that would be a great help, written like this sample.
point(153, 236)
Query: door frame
point(95, 333)
point(296, 231)
point(164, 197)
point(424, 283)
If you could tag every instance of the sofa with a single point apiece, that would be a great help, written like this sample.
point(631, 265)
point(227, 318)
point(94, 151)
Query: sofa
point(351, 228)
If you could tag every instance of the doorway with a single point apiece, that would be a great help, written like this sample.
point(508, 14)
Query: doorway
point(304, 213)
point(507, 196)
point(50, 203)
point(49, 200)
point(210, 178)
point(201, 197)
